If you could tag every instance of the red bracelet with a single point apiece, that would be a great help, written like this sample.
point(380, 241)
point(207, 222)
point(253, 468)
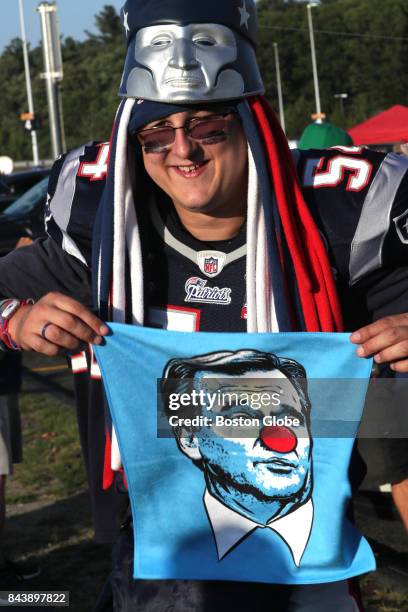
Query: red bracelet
point(6, 342)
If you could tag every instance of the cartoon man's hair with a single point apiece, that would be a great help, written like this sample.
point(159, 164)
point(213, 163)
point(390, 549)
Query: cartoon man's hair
point(179, 374)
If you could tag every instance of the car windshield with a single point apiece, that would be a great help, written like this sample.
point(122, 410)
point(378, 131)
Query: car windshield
point(28, 201)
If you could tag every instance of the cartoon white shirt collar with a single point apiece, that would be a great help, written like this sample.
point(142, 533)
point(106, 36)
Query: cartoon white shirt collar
point(230, 528)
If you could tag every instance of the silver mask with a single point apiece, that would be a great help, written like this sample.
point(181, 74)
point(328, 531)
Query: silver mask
point(192, 63)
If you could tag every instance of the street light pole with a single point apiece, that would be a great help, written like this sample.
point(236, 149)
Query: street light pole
point(279, 85)
point(314, 63)
point(53, 74)
point(30, 100)
point(341, 97)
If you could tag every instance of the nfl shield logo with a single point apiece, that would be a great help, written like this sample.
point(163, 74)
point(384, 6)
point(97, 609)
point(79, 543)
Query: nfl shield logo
point(401, 225)
point(211, 265)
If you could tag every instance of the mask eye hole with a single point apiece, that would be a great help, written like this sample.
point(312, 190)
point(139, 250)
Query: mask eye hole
point(204, 41)
point(161, 41)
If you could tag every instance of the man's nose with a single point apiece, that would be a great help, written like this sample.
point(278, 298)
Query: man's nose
point(279, 439)
point(183, 56)
point(183, 146)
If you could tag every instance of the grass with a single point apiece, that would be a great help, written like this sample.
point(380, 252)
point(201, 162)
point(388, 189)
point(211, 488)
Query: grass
point(50, 521)
point(378, 598)
point(51, 444)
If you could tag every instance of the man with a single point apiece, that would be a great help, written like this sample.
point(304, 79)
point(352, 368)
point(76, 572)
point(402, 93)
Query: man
point(270, 475)
point(192, 207)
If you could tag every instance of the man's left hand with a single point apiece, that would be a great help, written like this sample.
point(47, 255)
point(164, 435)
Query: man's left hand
point(386, 340)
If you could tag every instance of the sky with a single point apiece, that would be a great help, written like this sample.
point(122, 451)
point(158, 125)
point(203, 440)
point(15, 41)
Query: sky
point(74, 16)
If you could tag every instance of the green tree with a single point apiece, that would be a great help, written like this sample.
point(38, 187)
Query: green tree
point(365, 56)
point(362, 50)
point(108, 24)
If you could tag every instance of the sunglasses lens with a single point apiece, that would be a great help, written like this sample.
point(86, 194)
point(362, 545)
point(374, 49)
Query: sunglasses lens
point(156, 140)
point(209, 129)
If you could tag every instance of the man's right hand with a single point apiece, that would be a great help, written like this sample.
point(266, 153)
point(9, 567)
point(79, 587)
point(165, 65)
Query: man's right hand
point(70, 325)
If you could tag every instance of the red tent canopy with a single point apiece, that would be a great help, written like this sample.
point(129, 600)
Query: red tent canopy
point(388, 127)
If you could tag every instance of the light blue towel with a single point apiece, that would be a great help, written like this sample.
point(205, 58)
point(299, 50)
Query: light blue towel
point(209, 504)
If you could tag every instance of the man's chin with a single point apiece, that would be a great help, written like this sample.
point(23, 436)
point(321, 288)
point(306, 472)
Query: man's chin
point(203, 206)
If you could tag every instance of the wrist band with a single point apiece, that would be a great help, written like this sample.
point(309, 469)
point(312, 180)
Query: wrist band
point(8, 308)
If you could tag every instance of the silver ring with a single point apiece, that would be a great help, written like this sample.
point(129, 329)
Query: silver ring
point(44, 329)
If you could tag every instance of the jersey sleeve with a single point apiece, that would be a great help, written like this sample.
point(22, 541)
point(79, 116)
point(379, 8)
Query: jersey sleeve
point(359, 200)
point(61, 262)
point(75, 188)
point(42, 267)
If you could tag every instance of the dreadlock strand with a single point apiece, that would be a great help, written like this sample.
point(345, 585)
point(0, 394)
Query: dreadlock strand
point(317, 289)
point(288, 221)
point(308, 229)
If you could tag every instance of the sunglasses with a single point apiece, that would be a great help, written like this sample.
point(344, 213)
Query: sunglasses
point(211, 129)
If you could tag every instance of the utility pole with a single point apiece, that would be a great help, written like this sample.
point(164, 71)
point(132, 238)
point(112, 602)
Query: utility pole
point(53, 74)
point(30, 101)
point(319, 116)
point(279, 85)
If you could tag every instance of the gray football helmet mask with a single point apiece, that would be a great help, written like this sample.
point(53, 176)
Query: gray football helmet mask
point(179, 51)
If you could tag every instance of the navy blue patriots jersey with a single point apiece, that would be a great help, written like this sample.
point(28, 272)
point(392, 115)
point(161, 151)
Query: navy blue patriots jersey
point(358, 198)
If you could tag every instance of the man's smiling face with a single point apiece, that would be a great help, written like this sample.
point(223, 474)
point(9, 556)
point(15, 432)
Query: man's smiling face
point(200, 177)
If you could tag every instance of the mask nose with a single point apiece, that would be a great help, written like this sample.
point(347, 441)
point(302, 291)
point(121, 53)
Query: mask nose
point(183, 57)
point(278, 439)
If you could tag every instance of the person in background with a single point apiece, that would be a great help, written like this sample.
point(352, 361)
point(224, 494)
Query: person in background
point(324, 135)
point(12, 574)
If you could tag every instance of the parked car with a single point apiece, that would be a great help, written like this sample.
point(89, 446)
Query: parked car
point(14, 185)
point(24, 217)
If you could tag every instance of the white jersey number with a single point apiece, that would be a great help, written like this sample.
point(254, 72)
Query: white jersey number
point(97, 170)
point(175, 318)
point(325, 172)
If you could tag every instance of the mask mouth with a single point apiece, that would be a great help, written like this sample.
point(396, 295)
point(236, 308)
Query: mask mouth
point(180, 81)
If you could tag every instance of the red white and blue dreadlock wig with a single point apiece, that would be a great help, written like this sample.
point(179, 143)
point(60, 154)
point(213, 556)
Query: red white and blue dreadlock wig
point(182, 53)
point(179, 54)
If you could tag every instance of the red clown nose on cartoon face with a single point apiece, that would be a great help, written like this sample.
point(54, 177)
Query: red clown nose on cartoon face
point(279, 439)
